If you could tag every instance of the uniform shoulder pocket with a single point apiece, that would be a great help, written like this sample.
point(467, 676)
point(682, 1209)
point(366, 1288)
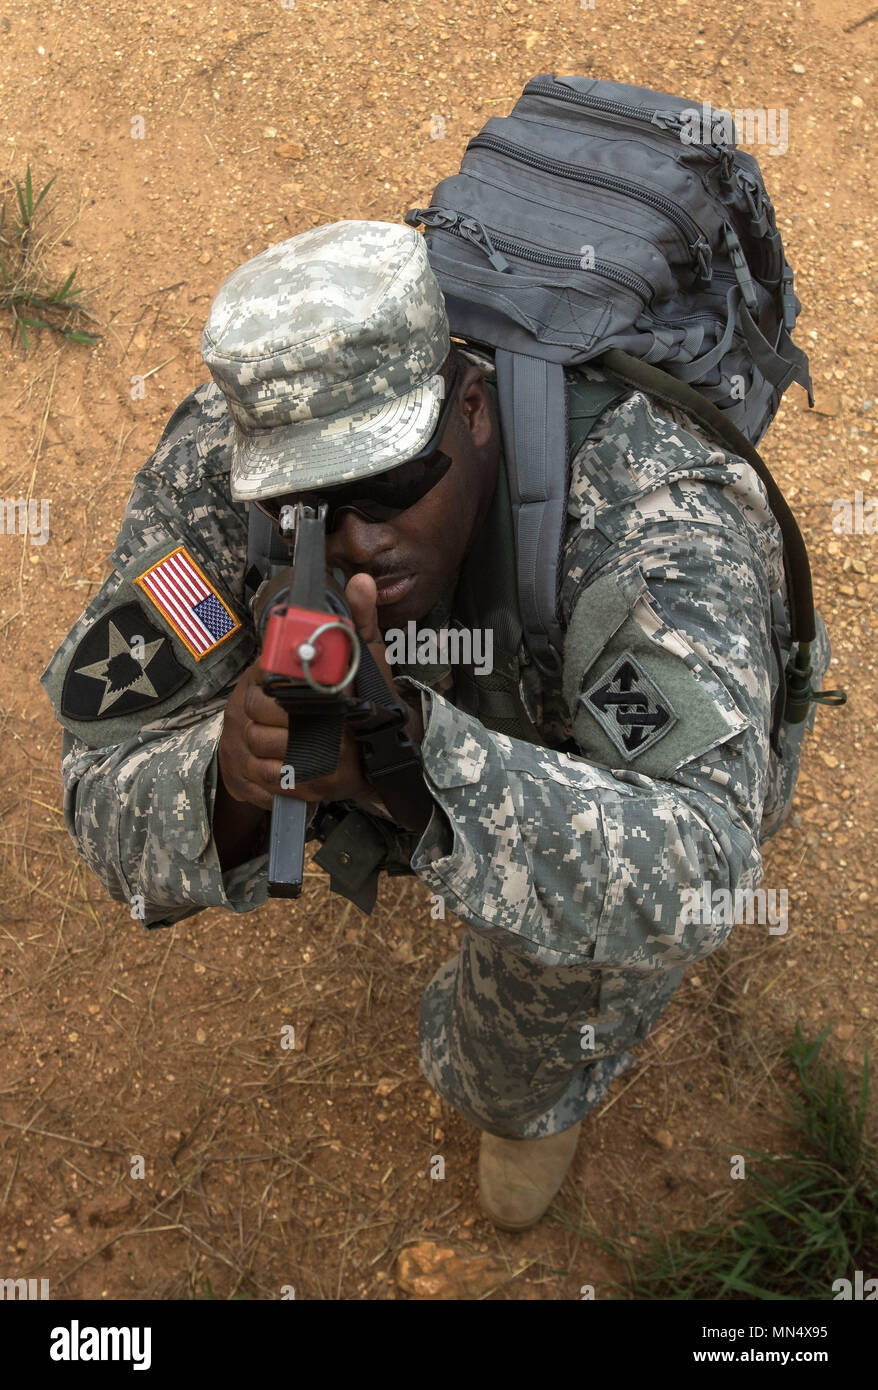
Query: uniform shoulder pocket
point(162, 633)
point(639, 694)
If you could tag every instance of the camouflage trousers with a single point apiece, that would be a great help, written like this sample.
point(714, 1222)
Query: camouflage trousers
point(522, 1049)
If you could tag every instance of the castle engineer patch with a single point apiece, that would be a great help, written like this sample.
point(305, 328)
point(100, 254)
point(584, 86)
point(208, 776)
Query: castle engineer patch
point(629, 707)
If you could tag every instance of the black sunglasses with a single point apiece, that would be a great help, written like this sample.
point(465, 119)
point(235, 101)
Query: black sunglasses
point(380, 496)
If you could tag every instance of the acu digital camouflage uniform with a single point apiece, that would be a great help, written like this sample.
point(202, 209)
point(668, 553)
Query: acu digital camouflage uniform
point(569, 869)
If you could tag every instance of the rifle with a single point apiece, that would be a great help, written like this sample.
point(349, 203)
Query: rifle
point(323, 676)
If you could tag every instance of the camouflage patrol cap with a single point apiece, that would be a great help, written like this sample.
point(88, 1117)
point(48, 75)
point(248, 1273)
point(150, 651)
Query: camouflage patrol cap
point(327, 349)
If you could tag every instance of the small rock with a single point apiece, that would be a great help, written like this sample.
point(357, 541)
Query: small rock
point(386, 1085)
point(845, 1031)
point(799, 68)
point(664, 1138)
point(290, 150)
point(428, 1270)
point(205, 258)
point(200, 1035)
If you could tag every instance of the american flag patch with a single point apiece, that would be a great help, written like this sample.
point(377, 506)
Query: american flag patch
point(189, 602)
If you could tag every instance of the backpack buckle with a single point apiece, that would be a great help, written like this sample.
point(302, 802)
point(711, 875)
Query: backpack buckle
point(759, 219)
point(789, 303)
point(741, 269)
point(727, 169)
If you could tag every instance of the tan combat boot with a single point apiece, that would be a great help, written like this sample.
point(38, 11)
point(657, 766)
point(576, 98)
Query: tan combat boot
point(519, 1177)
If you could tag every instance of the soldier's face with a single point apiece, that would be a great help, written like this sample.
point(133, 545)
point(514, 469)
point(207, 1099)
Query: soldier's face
point(417, 554)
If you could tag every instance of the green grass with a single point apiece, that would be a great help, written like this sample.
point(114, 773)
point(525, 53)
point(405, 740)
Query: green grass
point(208, 1293)
point(813, 1218)
point(26, 292)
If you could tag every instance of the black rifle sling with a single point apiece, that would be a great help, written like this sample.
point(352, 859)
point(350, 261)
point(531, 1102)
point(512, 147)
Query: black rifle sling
point(391, 761)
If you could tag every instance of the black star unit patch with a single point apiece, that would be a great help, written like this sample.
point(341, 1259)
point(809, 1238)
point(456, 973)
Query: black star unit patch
point(123, 664)
point(629, 707)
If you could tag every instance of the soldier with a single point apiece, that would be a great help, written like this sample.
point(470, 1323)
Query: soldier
point(568, 838)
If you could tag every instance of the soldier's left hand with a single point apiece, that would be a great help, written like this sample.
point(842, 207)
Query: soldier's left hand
point(267, 734)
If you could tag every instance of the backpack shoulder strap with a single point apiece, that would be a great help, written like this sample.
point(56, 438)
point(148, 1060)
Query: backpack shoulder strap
point(539, 424)
point(506, 697)
point(533, 420)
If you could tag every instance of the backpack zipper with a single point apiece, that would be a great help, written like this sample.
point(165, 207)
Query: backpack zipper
point(696, 241)
point(494, 245)
point(668, 122)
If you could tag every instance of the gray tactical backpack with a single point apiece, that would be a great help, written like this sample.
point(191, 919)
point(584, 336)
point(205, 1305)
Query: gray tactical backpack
point(597, 223)
point(614, 225)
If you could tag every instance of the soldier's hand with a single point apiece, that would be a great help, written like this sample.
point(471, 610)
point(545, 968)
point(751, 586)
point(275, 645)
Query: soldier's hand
point(254, 737)
point(253, 745)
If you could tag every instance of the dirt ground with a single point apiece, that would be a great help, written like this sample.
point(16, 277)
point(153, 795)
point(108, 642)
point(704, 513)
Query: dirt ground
point(266, 1168)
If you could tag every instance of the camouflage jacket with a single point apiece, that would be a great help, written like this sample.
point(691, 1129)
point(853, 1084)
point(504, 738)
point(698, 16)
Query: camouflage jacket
point(667, 594)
